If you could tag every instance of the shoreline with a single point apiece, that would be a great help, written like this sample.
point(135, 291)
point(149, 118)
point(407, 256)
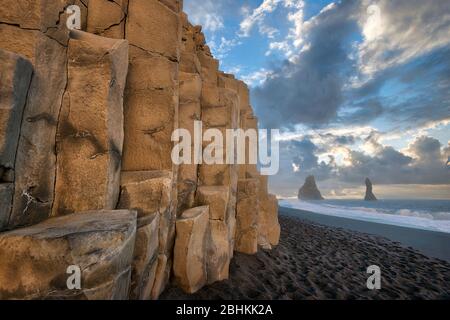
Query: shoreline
point(434, 244)
point(314, 261)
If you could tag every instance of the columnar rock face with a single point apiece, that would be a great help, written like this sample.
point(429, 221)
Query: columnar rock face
point(247, 216)
point(189, 253)
point(35, 31)
point(143, 271)
point(191, 84)
point(369, 191)
point(149, 193)
point(217, 248)
point(90, 129)
point(35, 260)
point(309, 191)
point(15, 76)
point(268, 226)
point(6, 194)
point(86, 126)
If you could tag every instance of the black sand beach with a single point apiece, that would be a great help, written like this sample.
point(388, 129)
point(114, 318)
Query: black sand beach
point(430, 243)
point(314, 261)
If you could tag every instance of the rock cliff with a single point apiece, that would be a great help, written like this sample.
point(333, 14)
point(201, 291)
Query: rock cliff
point(369, 191)
point(86, 175)
point(309, 191)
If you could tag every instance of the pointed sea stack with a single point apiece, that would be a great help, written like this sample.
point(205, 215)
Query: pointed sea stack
point(309, 191)
point(369, 194)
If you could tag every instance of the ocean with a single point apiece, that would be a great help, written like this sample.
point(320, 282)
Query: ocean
point(433, 215)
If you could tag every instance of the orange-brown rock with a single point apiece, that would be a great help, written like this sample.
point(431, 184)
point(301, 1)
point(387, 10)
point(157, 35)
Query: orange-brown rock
point(15, 76)
point(90, 138)
point(190, 249)
point(143, 271)
point(268, 225)
point(107, 18)
point(172, 81)
point(6, 194)
point(218, 239)
point(35, 160)
point(247, 216)
point(99, 243)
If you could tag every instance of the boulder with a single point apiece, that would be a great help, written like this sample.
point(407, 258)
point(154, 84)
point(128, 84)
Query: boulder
point(369, 191)
point(90, 134)
point(189, 265)
point(35, 260)
point(309, 191)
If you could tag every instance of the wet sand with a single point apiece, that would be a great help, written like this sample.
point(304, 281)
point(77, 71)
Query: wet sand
point(315, 261)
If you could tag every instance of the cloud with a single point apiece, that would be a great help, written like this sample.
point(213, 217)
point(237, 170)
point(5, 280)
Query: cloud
point(397, 31)
point(206, 13)
point(282, 46)
point(225, 46)
point(256, 17)
point(256, 78)
point(310, 90)
point(393, 72)
point(423, 162)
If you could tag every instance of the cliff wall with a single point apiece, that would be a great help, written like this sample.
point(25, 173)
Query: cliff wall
point(86, 175)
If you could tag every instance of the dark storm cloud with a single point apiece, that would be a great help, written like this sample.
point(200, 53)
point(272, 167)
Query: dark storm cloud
point(424, 96)
point(310, 91)
point(344, 140)
point(361, 112)
point(425, 163)
point(304, 152)
point(315, 90)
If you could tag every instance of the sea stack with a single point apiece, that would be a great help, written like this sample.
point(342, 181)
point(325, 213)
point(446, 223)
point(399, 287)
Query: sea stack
point(309, 191)
point(369, 194)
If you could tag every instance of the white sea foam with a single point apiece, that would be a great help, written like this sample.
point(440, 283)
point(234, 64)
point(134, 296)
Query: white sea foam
point(404, 217)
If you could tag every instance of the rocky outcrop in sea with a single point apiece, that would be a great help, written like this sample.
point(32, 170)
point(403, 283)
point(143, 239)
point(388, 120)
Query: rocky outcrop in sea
point(309, 191)
point(369, 191)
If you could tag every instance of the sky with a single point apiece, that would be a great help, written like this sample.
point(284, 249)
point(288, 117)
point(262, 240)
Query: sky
point(358, 88)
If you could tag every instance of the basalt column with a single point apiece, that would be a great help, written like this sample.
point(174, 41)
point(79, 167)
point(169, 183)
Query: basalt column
point(90, 128)
point(190, 112)
point(34, 30)
point(217, 178)
point(153, 29)
point(15, 75)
